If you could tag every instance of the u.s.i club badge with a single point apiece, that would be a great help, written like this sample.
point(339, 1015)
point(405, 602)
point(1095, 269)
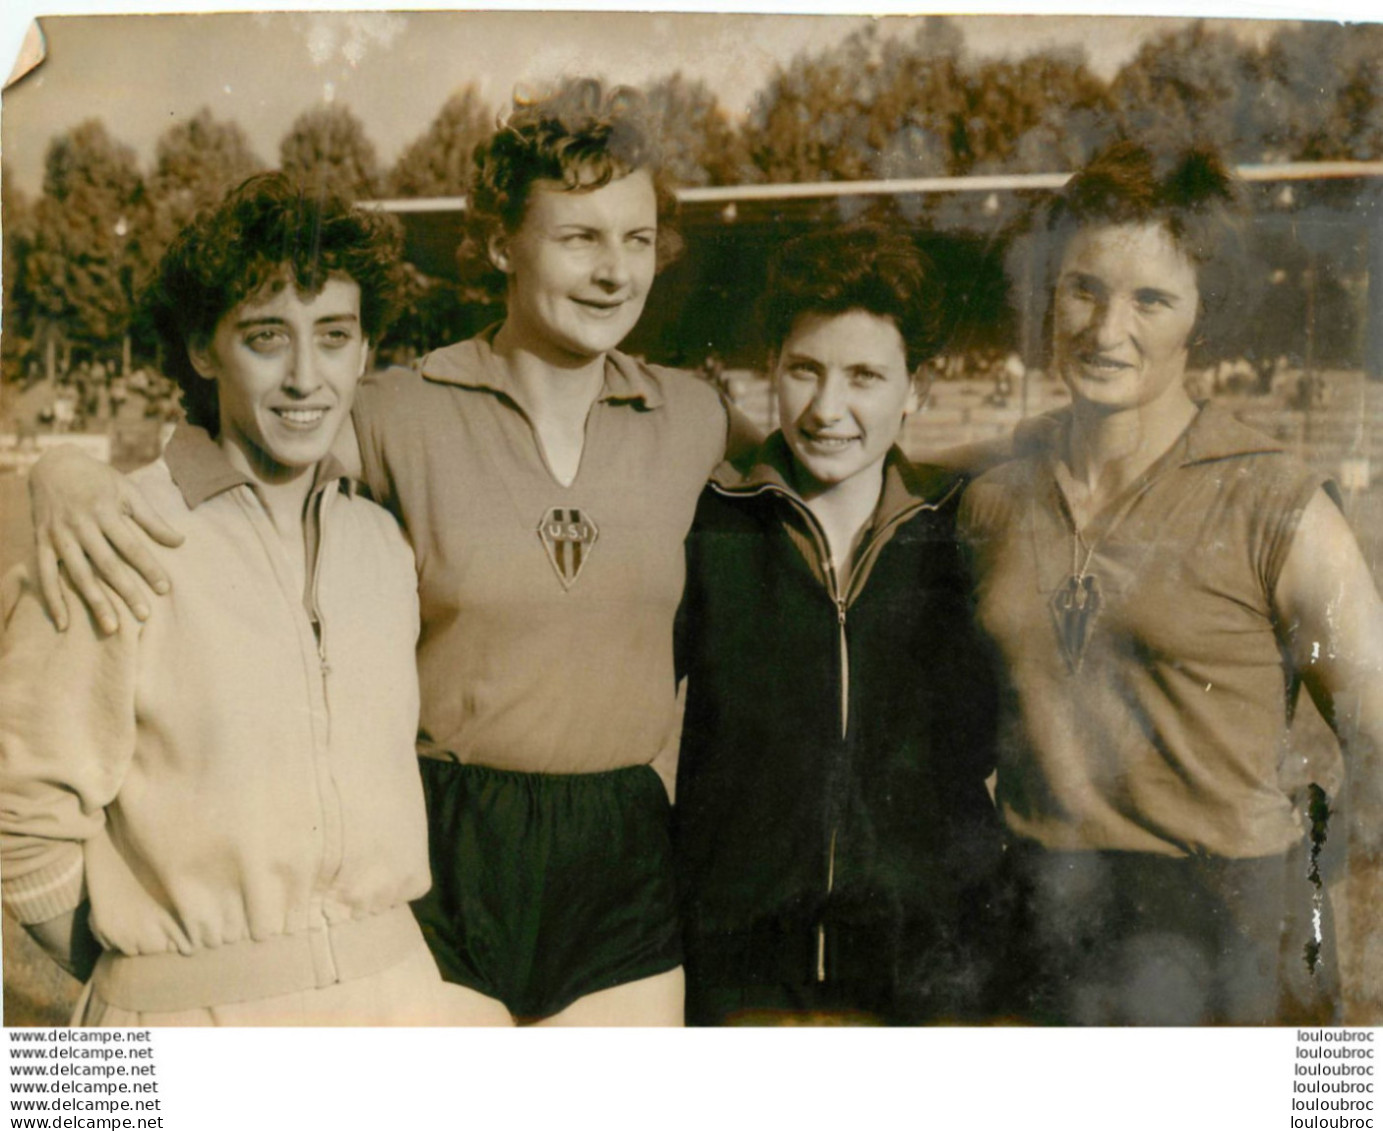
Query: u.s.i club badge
point(568, 535)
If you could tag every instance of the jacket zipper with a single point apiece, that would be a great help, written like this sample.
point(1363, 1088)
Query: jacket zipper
point(309, 606)
point(318, 623)
point(844, 729)
point(841, 602)
point(331, 868)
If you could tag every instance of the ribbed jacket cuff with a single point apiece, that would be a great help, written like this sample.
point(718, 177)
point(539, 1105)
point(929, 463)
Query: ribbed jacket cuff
point(52, 890)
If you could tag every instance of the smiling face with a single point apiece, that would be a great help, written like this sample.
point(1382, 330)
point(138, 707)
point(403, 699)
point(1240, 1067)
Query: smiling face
point(580, 265)
point(1126, 303)
point(285, 366)
point(843, 391)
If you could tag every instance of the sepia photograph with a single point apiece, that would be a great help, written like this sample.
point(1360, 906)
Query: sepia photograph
point(605, 519)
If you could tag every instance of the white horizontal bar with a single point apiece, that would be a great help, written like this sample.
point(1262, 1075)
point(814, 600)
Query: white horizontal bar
point(998, 182)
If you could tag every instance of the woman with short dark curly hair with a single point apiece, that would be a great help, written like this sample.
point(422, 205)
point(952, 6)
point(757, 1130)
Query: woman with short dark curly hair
point(267, 232)
point(1159, 580)
point(228, 792)
point(1194, 197)
point(861, 266)
point(838, 851)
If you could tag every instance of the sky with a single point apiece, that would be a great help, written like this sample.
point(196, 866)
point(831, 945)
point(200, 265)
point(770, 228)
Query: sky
point(142, 72)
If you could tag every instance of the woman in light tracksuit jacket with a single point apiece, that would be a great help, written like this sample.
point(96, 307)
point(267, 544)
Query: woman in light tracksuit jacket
point(220, 806)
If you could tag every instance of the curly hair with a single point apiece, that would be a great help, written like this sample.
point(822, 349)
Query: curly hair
point(861, 266)
point(580, 135)
point(266, 232)
point(1190, 192)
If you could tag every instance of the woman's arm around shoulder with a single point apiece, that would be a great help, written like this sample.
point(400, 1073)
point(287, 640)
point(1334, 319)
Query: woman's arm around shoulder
point(97, 526)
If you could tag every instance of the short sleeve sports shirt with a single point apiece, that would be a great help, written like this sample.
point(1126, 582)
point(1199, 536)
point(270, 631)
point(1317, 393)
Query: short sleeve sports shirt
point(547, 610)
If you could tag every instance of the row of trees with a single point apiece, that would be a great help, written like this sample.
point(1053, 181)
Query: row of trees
point(873, 106)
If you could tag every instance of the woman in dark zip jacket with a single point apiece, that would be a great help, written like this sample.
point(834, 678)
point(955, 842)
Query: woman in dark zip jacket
point(837, 846)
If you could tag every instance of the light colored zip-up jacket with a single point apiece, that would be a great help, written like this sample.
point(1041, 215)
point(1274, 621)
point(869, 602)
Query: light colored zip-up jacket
point(232, 784)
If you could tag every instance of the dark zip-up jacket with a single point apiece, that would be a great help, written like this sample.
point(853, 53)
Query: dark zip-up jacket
point(832, 816)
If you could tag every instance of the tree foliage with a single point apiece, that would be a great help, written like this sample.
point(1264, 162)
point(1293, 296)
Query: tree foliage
point(917, 110)
point(881, 107)
point(700, 146)
point(17, 315)
point(89, 228)
point(814, 120)
point(1322, 93)
point(195, 162)
point(440, 162)
point(1045, 111)
point(880, 104)
point(326, 147)
point(1193, 84)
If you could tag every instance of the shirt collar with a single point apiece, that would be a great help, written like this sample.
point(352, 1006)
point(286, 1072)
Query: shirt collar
point(1216, 434)
point(906, 484)
point(201, 469)
point(1213, 434)
point(473, 364)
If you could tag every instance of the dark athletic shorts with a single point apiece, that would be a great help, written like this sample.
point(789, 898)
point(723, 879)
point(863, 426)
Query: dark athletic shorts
point(548, 887)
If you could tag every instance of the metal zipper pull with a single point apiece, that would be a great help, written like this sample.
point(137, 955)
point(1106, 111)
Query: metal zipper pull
point(319, 513)
point(844, 669)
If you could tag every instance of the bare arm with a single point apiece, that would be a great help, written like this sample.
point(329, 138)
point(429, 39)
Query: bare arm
point(92, 522)
point(1333, 616)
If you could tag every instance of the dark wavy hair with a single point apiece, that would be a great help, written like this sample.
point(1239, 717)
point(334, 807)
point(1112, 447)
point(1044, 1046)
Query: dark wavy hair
point(266, 232)
point(1190, 192)
point(580, 135)
point(861, 266)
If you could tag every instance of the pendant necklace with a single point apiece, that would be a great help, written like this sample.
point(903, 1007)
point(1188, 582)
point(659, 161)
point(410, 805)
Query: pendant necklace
point(1077, 601)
